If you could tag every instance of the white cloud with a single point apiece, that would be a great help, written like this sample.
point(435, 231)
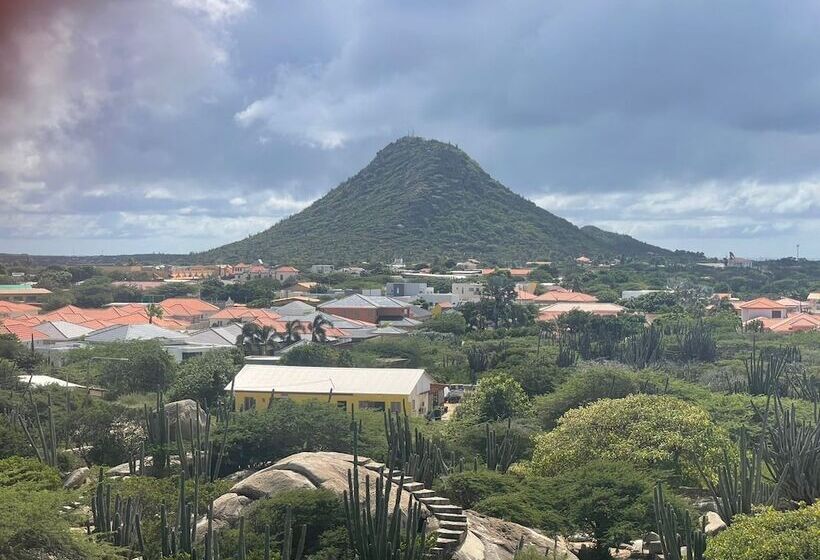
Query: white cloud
point(216, 10)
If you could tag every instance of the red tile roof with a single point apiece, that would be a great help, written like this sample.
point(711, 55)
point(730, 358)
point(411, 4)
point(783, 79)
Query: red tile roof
point(761, 303)
point(286, 268)
point(556, 296)
point(11, 308)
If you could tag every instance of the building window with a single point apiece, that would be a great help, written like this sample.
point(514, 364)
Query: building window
point(775, 314)
point(395, 406)
point(342, 404)
point(250, 402)
point(371, 405)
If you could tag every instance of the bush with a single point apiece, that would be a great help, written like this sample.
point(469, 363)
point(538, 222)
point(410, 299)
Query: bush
point(28, 474)
point(204, 377)
point(469, 487)
point(259, 436)
point(770, 535)
point(12, 439)
point(496, 397)
point(317, 355)
point(453, 323)
point(539, 377)
point(659, 432)
point(142, 366)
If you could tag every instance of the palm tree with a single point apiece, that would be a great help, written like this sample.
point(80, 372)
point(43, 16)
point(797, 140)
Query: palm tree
point(318, 329)
point(153, 310)
point(293, 331)
point(247, 339)
point(256, 340)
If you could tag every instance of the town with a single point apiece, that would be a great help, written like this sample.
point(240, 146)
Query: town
point(450, 350)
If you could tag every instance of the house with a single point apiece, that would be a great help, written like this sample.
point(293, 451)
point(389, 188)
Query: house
point(633, 294)
point(583, 260)
point(123, 333)
point(348, 388)
point(523, 296)
point(552, 312)
point(792, 305)
point(467, 291)
point(23, 293)
point(761, 308)
point(321, 268)
point(396, 289)
point(371, 309)
point(794, 323)
point(303, 287)
point(284, 273)
point(12, 309)
point(557, 296)
point(189, 310)
point(194, 272)
point(239, 314)
point(256, 272)
point(814, 301)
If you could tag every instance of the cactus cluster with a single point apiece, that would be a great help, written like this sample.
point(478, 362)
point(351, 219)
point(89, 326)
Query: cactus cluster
point(118, 522)
point(643, 349)
point(499, 456)
point(45, 447)
point(673, 534)
point(375, 525)
point(413, 453)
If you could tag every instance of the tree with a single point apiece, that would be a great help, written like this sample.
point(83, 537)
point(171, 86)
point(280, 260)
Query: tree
point(56, 300)
point(318, 328)
point(293, 332)
point(652, 431)
point(256, 340)
point(153, 310)
point(496, 396)
point(204, 377)
point(142, 365)
point(312, 354)
point(453, 323)
point(9, 373)
point(94, 292)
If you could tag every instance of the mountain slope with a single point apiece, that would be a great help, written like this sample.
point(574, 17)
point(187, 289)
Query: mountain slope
point(420, 199)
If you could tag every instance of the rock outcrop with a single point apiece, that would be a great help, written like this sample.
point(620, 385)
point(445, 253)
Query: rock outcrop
point(77, 478)
point(469, 535)
point(189, 414)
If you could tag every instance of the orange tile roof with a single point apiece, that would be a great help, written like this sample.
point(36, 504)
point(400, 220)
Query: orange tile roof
point(194, 304)
point(11, 308)
point(521, 295)
point(286, 268)
point(24, 333)
point(761, 303)
point(243, 313)
point(556, 296)
point(795, 323)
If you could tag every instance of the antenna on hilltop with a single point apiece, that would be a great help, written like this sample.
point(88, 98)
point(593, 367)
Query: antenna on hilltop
point(798, 250)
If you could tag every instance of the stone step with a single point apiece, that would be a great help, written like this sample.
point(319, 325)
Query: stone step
point(449, 534)
point(414, 486)
point(443, 508)
point(460, 526)
point(447, 544)
point(438, 500)
point(424, 493)
point(402, 479)
point(459, 517)
point(374, 466)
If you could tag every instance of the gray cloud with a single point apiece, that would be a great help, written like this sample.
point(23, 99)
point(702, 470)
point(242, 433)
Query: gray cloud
point(178, 125)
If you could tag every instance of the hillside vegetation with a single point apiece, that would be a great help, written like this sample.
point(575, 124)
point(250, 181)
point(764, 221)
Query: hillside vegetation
point(421, 199)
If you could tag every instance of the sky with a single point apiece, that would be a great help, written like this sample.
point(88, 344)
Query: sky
point(179, 125)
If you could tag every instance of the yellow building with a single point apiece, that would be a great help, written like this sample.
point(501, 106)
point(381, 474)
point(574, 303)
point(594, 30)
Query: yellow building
point(356, 388)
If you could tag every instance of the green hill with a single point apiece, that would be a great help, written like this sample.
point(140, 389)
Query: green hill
point(421, 199)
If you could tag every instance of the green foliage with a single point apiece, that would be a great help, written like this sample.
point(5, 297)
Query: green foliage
point(496, 396)
point(204, 377)
point(123, 367)
point(458, 211)
point(660, 432)
point(469, 487)
point(33, 528)
point(286, 427)
point(453, 323)
point(770, 535)
point(28, 474)
point(677, 529)
point(320, 509)
point(313, 354)
point(9, 373)
point(642, 349)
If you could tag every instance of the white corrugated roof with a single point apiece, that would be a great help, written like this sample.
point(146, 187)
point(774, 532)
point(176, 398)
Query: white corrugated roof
point(43, 380)
point(116, 333)
point(300, 379)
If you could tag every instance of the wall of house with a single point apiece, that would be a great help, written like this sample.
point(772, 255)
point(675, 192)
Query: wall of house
point(369, 315)
point(749, 314)
point(397, 402)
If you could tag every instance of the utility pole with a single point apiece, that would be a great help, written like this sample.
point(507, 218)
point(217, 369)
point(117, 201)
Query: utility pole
point(798, 250)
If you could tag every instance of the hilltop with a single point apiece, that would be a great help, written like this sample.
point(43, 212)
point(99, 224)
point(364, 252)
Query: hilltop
point(421, 199)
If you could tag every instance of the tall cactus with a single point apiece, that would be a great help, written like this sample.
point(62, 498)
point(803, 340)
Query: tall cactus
point(413, 453)
point(46, 451)
point(120, 522)
point(375, 528)
point(763, 371)
point(741, 486)
point(158, 433)
point(500, 456)
point(643, 349)
point(672, 535)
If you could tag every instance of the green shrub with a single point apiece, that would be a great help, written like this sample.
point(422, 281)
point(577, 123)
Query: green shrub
point(469, 487)
point(204, 377)
point(770, 535)
point(24, 473)
point(653, 431)
point(316, 355)
point(497, 396)
point(453, 323)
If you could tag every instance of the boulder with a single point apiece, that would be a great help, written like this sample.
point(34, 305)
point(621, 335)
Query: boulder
point(77, 478)
point(714, 523)
point(270, 481)
point(499, 540)
point(323, 469)
point(228, 507)
point(189, 414)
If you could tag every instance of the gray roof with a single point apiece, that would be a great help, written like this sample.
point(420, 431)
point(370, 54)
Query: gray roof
point(294, 308)
point(62, 330)
point(117, 333)
point(359, 381)
point(359, 300)
point(216, 335)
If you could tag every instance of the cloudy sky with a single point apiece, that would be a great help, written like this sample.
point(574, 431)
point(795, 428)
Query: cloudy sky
point(178, 125)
